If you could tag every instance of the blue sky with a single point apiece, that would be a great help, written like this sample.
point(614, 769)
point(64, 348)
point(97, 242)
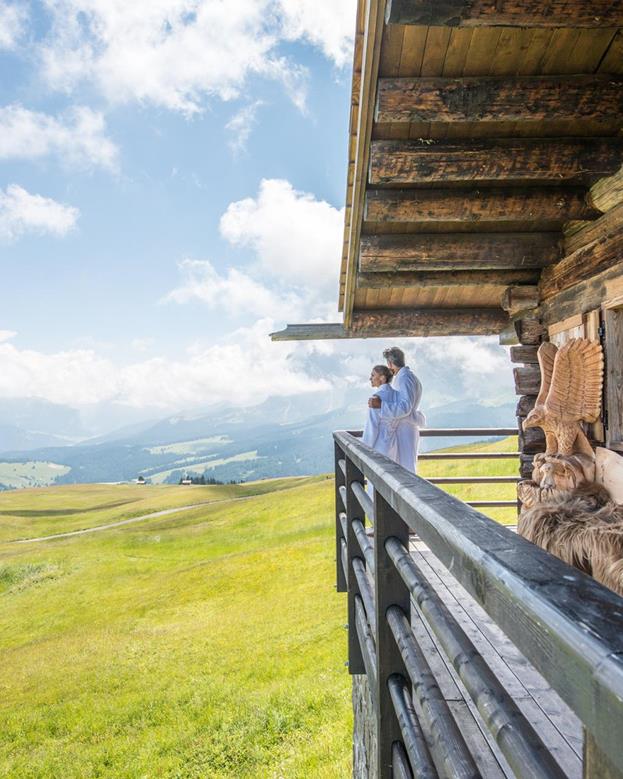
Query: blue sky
point(172, 177)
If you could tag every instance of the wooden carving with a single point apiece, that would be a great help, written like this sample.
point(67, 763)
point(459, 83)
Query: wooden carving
point(563, 509)
point(571, 385)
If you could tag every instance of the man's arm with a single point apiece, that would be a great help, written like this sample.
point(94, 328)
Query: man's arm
point(408, 399)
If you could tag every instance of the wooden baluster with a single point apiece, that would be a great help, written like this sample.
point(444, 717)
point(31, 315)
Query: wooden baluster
point(390, 590)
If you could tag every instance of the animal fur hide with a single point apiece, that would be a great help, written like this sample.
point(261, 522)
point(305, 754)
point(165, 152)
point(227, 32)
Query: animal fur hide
point(584, 528)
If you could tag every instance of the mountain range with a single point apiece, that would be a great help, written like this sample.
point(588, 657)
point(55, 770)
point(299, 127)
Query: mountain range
point(45, 444)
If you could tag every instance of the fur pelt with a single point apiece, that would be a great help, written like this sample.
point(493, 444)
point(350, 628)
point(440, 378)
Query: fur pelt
point(584, 528)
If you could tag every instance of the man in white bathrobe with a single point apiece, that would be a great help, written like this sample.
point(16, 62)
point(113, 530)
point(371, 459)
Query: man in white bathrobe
point(403, 408)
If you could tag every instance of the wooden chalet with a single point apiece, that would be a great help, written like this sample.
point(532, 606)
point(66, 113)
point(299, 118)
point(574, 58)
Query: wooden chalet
point(485, 196)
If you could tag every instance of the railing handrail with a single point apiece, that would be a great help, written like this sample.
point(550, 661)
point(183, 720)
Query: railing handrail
point(458, 432)
point(565, 623)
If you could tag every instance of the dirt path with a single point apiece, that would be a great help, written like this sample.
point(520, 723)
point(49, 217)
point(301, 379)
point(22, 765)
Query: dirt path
point(96, 528)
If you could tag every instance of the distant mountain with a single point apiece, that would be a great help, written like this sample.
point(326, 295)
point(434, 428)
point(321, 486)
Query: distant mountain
point(280, 437)
point(29, 423)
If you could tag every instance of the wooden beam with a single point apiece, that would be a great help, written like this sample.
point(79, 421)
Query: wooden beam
point(458, 251)
point(530, 331)
point(527, 380)
point(518, 299)
point(442, 279)
point(590, 232)
point(542, 205)
point(573, 161)
point(608, 193)
point(312, 332)
point(427, 322)
point(499, 99)
point(507, 13)
point(406, 323)
point(583, 264)
point(525, 354)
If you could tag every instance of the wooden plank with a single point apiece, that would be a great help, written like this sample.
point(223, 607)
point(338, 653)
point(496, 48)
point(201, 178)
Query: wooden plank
point(573, 161)
point(409, 323)
point(588, 261)
point(444, 279)
point(508, 13)
point(591, 231)
point(613, 321)
point(495, 99)
point(544, 205)
point(458, 251)
point(566, 324)
point(584, 296)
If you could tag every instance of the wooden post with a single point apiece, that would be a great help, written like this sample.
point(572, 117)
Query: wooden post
point(390, 590)
point(353, 511)
point(341, 585)
point(530, 333)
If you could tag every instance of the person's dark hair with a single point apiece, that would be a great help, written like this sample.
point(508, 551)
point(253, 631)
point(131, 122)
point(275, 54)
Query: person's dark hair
point(395, 355)
point(383, 370)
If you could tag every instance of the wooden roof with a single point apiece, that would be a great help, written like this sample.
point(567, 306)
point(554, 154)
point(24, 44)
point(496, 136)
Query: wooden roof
point(477, 130)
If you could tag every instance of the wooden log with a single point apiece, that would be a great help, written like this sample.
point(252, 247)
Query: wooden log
point(521, 298)
point(507, 13)
point(499, 99)
point(583, 264)
point(532, 440)
point(408, 323)
point(458, 251)
point(542, 205)
point(585, 296)
point(527, 380)
point(525, 354)
point(526, 465)
point(608, 193)
point(525, 404)
point(530, 331)
point(581, 234)
point(574, 161)
point(444, 279)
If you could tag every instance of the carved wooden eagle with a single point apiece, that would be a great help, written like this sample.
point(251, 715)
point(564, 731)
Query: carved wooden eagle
point(571, 385)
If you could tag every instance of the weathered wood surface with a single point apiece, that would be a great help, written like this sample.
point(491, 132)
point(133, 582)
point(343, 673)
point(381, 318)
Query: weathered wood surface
point(590, 231)
point(526, 465)
point(428, 322)
point(525, 354)
point(565, 623)
point(541, 205)
point(586, 262)
point(613, 320)
point(507, 13)
point(608, 193)
point(389, 591)
point(583, 297)
point(525, 405)
point(572, 161)
point(443, 279)
point(530, 331)
point(459, 251)
point(499, 99)
point(520, 298)
point(532, 440)
point(527, 380)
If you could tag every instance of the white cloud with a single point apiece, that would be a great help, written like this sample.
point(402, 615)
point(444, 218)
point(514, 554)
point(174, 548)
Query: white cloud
point(13, 19)
point(21, 212)
point(171, 53)
point(241, 124)
point(328, 24)
point(81, 376)
point(77, 137)
point(235, 292)
point(295, 236)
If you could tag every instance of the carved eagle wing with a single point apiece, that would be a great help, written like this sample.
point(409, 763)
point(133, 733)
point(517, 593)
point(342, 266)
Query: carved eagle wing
point(546, 356)
point(576, 383)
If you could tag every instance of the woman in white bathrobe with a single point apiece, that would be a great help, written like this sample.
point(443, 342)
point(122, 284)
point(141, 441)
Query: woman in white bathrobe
point(380, 433)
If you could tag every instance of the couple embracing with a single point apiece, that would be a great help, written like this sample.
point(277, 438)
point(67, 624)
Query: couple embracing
point(393, 421)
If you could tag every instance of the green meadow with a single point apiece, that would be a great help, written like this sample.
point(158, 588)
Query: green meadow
point(205, 643)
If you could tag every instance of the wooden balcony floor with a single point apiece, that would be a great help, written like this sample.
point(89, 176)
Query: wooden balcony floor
point(552, 719)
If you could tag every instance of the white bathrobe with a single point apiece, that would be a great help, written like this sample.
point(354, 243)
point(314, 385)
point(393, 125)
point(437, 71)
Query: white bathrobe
point(379, 433)
point(402, 409)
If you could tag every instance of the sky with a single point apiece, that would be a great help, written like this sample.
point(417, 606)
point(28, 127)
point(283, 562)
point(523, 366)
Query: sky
point(172, 182)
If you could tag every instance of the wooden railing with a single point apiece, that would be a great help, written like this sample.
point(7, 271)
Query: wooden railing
point(567, 625)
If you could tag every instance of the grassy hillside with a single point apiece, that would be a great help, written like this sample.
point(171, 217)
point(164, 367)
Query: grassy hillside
point(204, 644)
point(431, 468)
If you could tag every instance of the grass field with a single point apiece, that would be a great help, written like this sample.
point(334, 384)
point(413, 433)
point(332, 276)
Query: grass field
point(207, 643)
